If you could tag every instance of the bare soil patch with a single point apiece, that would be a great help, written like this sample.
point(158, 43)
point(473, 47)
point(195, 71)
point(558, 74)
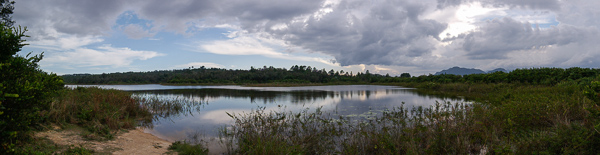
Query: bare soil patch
point(128, 142)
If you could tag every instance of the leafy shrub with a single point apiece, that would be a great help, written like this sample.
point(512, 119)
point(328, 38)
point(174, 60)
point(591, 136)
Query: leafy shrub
point(25, 90)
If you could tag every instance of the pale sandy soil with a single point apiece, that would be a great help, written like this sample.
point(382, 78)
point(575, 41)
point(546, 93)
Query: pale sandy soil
point(130, 142)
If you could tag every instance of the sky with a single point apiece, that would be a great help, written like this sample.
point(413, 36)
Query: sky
point(383, 36)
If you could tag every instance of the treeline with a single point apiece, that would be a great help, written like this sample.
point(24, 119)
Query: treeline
point(202, 75)
point(535, 76)
point(307, 74)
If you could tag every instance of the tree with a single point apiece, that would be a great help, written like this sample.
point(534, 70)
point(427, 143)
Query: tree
point(10, 42)
point(405, 75)
point(6, 11)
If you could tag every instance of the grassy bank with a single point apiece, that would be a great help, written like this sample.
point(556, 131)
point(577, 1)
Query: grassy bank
point(101, 113)
point(506, 118)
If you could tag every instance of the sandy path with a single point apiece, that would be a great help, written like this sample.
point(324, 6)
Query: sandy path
point(132, 142)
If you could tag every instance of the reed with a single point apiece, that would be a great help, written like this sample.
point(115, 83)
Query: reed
point(506, 119)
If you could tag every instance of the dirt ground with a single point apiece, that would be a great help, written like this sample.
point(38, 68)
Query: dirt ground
point(130, 142)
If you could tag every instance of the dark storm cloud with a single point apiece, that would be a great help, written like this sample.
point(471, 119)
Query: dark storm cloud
point(388, 31)
point(499, 37)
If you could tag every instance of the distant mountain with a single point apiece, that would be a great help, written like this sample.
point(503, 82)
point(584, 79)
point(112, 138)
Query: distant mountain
point(460, 71)
point(498, 70)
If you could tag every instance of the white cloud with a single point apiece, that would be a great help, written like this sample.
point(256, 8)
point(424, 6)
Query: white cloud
point(239, 46)
point(253, 45)
point(463, 18)
point(105, 55)
point(65, 42)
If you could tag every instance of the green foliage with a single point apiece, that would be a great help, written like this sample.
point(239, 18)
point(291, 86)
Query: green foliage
point(6, 9)
point(25, 90)
point(536, 76)
point(295, 75)
point(10, 41)
point(38, 146)
point(186, 148)
point(405, 75)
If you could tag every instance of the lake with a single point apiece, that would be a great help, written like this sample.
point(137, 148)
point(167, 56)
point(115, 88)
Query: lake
point(205, 107)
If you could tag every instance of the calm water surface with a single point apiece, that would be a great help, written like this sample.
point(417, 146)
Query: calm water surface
point(207, 105)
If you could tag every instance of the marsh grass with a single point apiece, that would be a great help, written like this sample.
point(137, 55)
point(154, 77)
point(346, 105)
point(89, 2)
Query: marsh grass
point(102, 112)
point(506, 119)
point(165, 107)
point(195, 144)
point(188, 148)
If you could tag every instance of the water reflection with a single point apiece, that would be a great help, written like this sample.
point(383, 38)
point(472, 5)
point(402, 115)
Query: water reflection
point(204, 108)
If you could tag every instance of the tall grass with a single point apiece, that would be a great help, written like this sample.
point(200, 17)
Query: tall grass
point(165, 107)
point(101, 111)
point(513, 119)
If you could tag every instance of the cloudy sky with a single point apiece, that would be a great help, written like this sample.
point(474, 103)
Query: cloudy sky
point(382, 36)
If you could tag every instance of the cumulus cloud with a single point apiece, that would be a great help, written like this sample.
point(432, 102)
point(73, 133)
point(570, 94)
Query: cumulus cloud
point(105, 55)
point(81, 17)
point(263, 14)
point(359, 32)
point(500, 36)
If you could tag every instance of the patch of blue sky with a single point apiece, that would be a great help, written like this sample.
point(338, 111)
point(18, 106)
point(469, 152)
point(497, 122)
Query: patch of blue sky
point(552, 22)
point(130, 17)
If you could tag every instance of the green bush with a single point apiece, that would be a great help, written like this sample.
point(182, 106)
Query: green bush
point(25, 90)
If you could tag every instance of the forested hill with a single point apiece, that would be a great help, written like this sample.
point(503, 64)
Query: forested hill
point(202, 75)
point(460, 71)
